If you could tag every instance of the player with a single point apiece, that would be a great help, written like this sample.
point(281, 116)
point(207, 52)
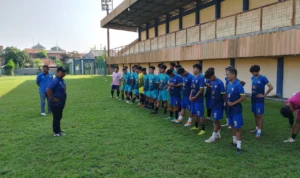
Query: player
point(186, 91)
point(127, 81)
point(292, 104)
point(146, 88)
point(235, 96)
point(172, 67)
point(218, 98)
point(177, 67)
point(115, 84)
point(141, 72)
point(123, 84)
point(258, 96)
point(163, 95)
point(153, 86)
point(208, 96)
point(196, 98)
point(134, 93)
point(175, 84)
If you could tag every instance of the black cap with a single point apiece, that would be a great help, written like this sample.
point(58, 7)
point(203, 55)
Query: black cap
point(169, 71)
point(62, 69)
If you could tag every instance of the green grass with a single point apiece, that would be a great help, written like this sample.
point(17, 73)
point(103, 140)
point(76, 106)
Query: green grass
point(108, 138)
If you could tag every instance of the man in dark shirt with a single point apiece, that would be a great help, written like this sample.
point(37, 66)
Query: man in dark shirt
point(175, 83)
point(56, 92)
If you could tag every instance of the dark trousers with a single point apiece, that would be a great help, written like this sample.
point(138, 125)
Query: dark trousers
point(57, 113)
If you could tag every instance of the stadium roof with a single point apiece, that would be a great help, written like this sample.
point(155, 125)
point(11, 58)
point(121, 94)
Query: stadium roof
point(131, 14)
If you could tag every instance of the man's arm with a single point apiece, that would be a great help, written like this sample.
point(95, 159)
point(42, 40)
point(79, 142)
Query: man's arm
point(199, 93)
point(242, 98)
point(49, 91)
point(270, 86)
point(38, 80)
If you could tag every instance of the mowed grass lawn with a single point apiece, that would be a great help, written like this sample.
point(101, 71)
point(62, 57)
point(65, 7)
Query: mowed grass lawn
point(109, 138)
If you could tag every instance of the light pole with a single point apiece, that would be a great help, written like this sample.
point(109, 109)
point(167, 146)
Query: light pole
point(107, 5)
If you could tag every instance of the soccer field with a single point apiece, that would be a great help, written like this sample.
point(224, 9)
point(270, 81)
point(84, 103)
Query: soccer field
point(109, 138)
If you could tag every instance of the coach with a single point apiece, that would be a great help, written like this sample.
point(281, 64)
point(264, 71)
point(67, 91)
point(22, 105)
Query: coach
point(43, 80)
point(56, 91)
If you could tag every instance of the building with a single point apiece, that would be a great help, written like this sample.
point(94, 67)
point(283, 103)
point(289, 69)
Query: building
point(55, 53)
point(216, 33)
point(93, 54)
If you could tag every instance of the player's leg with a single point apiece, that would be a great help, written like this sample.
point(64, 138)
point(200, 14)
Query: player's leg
point(122, 91)
point(157, 103)
point(238, 123)
point(182, 111)
point(295, 129)
point(118, 91)
point(165, 98)
point(202, 120)
point(217, 115)
point(171, 109)
point(176, 107)
point(112, 91)
point(208, 108)
point(194, 116)
point(227, 119)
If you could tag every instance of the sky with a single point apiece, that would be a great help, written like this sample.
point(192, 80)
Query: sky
point(72, 24)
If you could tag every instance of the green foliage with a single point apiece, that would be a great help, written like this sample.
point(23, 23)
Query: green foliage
point(19, 57)
point(59, 63)
point(38, 63)
point(100, 58)
point(9, 67)
point(42, 54)
point(53, 58)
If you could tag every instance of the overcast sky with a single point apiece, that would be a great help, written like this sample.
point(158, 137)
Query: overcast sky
point(73, 24)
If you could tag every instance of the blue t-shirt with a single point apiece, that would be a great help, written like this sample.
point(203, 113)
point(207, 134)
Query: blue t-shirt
point(227, 82)
point(217, 92)
point(135, 77)
point(258, 87)
point(43, 80)
point(127, 78)
point(197, 84)
point(175, 91)
point(58, 87)
point(163, 81)
point(146, 82)
point(153, 81)
point(186, 85)
point(208, 89)
point(234, 92)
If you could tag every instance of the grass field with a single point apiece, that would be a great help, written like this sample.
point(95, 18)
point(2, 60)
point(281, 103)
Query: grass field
point(108, 138)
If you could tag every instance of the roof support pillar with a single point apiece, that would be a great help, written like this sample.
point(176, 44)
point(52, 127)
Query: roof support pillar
point(180, 18)
point(245, 5)
point(140, 33)
point(156, 27)
point(218, 9)
point(167, 23)
point(147, 31)
point(197, 13)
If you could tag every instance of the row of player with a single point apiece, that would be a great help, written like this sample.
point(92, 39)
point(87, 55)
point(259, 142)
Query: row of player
point(187, 92)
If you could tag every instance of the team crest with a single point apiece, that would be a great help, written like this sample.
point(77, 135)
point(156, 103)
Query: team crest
point(235, 123)
point(198, 112)
point(258, 110)
point(232, 89)
point(215, 115)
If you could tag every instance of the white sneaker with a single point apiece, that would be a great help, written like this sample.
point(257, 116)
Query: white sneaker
point(218, 136)
point(43, 114)
point(128, 102)
point(117, 97)
point(208, 118)
point(290, 140)
point(229, 127)
point(210, 140)
point(56, 135)
point(225, 125)
point(188, 124)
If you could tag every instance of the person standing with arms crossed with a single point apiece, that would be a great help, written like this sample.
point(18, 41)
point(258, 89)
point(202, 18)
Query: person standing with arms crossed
point(43, 80)
point(116, 81)
point(56, 92)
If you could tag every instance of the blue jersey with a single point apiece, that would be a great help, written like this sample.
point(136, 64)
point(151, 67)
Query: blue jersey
point(43, 81)
point(187, 85)
point(258, 87)
point(217, 92)
point(146, 82)
point(135, 78)
point(197, 84)
point(227, 82)
point(208, 89)
point(234, 92)
point(163, 81)
point(127, 78)
point(58, 88)
point(153, 81)
point(175, 91)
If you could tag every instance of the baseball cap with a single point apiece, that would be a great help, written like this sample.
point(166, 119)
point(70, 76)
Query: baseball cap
point(62, 69)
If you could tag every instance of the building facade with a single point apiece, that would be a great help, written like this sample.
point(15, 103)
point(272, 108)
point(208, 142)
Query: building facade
point(215, 33)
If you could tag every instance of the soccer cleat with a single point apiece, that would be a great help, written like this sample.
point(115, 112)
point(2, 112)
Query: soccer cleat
point(62, 134)
point(225, 125)
point(188, 124)
point(56, 135)
point(210, 140)
point(253, 131)
point(178, 121)
point(229, 127)
point(202, 132)
point(194, 128)
point(238, 151)
point(258, 135)
point(290, 140)
point(43, 114)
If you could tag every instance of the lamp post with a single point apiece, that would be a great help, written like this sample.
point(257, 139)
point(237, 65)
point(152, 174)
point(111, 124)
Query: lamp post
point(107, 5)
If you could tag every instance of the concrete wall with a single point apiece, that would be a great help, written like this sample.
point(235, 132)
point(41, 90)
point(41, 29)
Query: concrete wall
point(151, 32)
point(188, 65)
point(207, 14)
point(29, 71)
point(291, 75)
point(174, 26)
point(268, 68)
point(162, 29)
point(143, 35)
point(188, 20)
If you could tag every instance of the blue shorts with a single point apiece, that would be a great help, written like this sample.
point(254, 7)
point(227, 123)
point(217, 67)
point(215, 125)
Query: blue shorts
point(186, 103)
point(128, 88)
point(123, 88)
point(258, 108)
point(153, 94)
point(115, 87)
point(197, 108)
point(217, 114)
point(146, 93)
point(175, 101)
point(136, 91)
point(163, 95)
point(208, 103)
point(236, 121)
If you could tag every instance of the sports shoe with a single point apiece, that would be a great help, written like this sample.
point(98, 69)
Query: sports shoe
point(258, 135)
point(210, 140)
point(229, 127)
point(169, 118)
point(194, 128)
point(253, 131)
point(62, 134)
point(290, 140)
point(43, 114)
point(225, 125)
point(218, 136)
point(208, 118)
point(202, 132)
point(173, 119)
point(238, 151)
point(188, 124)
point(57, 135)
point(177, 121)
point(117, 97)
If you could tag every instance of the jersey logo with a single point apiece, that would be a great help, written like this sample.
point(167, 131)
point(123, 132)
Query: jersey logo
point(232, 89)
point(235, 123)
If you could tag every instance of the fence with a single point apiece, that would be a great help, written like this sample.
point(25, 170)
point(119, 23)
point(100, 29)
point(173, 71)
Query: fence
point(28, 71)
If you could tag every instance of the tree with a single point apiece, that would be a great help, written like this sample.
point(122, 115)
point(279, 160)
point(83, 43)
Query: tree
point(9, 67)
point(59, 63)
point(38, 63)
point(100, 58)
point(42, 54)
point(19, 57)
